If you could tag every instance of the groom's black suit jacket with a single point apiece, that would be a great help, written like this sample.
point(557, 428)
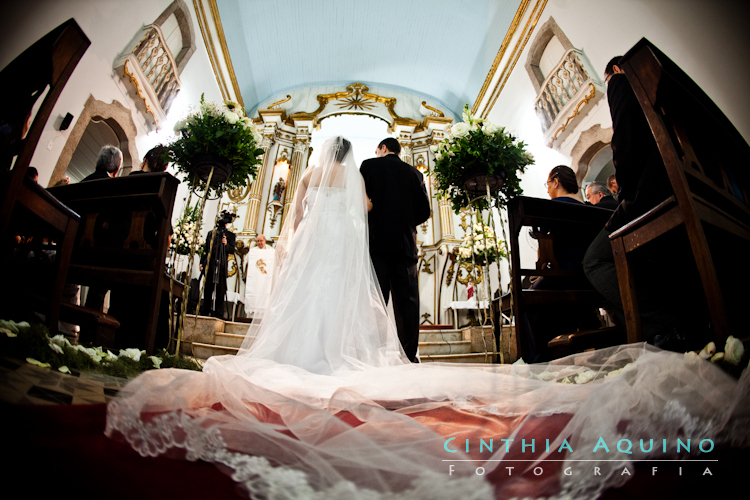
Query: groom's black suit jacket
point(399, 205)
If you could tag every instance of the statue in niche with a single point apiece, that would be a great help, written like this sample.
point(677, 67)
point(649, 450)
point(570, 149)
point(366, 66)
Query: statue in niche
point(278, 189)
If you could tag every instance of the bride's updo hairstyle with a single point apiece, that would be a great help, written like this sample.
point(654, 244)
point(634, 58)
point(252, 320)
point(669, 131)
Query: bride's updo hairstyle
point(342, 148)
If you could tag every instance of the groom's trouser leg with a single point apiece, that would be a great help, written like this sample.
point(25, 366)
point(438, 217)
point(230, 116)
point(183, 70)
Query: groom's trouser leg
point(398, 276)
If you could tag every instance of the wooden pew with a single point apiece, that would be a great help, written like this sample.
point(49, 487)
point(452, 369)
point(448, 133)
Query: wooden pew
point(26, 209)
point(123, 241)
point(582, 222)
point(708, 165)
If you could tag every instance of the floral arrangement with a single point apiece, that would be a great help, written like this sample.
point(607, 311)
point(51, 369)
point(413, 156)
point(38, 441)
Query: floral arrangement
point(33, 343)
point(186, 232)
point(478, 144)
point(220, 129)
point(487, 247)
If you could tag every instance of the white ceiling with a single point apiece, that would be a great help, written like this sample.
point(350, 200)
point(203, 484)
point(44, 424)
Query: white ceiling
point(440, 50)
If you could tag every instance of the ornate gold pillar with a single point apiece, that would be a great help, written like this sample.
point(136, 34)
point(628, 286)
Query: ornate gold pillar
point(446, 219)
point(299, 163)
point(256, 189)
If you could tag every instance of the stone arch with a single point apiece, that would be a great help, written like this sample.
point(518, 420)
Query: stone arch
point(589, 144)
point(181, 12)
point(118, 117)
point(542, 38)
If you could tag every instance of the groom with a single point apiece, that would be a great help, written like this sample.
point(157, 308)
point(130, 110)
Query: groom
point(399, 204)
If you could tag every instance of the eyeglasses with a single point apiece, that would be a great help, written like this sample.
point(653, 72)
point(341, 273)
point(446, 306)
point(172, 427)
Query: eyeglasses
point(546, 184)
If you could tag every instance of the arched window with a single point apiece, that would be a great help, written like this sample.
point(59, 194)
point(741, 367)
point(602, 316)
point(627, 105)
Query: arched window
point(546, 51)
point(99, 124)
point(98, 133)
point(177, 28)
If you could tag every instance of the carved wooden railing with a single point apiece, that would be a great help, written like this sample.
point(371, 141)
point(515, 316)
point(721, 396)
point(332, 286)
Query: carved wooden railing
point(564, 93)
point(149, 68)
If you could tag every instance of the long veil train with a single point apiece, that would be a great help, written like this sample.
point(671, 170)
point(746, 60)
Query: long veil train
point(321, 402)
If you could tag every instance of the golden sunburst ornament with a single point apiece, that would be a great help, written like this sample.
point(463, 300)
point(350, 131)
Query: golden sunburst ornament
point(356, 102)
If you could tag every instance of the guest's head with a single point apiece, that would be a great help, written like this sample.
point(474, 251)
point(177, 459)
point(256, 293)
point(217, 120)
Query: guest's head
point(62, 182)
point(612, 184)
point(596, 191)
point(561, 181)
point(613, 68)
point(156, 160)
point(387, 146)
point(261, 241)
point(109, 160)
point(33, 174)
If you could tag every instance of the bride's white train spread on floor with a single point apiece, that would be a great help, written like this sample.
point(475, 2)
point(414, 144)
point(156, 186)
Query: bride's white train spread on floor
point(323, 404)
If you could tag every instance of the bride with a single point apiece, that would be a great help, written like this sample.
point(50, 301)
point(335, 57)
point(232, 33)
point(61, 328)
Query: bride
point(321, 401)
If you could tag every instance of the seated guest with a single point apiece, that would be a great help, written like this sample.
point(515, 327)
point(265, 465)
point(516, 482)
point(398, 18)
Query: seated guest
point(156, 160)
point(612, 185)
point(598, 194)
point(641, 184)
point(33, 174)
point(542, 325)
point(108, 164)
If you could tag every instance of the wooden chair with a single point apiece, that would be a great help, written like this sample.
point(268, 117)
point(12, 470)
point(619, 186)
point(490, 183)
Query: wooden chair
point(26, 208)
point(582, 222)
point(707, 162)
point(123, 242)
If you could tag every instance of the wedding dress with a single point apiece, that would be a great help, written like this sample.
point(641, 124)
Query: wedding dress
point(321, 401)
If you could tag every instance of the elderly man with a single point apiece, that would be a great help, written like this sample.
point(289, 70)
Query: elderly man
point(260, 263)
point(108, 164)
point(598, 194)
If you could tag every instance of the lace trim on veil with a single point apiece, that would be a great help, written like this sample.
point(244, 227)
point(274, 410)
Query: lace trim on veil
point(261, 479)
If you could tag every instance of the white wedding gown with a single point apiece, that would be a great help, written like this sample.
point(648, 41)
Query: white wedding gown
point(321, 402)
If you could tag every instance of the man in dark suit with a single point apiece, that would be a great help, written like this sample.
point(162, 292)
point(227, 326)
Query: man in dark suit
point(642, 182)
point(399, 205)
point(598, 194)
point(108, 163)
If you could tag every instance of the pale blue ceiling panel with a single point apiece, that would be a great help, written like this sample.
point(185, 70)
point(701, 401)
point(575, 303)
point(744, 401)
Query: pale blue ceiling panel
point(441, 50)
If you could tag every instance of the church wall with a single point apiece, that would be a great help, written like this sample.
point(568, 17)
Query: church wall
point(706, 39)
point(110, 26)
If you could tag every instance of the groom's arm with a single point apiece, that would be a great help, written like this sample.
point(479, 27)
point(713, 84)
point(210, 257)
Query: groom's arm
point(421, 201)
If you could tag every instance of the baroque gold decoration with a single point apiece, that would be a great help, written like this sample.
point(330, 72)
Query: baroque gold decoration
point(501, 52)
point(437, 112)
point(225, 49)
point(464, 225)
point(361, 91)
point(140, 93)
point(426, 265)
point(279, 103)
point(239, 194)
point(232, 264)
point(536, 13)
point(469, 269)
point(452, 257)
point(356, 102)
point(583, 102)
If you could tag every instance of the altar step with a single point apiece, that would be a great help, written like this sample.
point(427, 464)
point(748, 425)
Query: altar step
point(208, 337)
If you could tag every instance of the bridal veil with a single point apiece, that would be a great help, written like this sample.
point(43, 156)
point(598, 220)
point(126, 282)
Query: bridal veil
point(321, 403)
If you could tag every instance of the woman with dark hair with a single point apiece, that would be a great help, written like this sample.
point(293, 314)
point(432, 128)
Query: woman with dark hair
point(562, 184)
point(569, 248)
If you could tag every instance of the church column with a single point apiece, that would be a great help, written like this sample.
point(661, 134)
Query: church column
point(256, 189)
point(406, 148)
point(299, 163)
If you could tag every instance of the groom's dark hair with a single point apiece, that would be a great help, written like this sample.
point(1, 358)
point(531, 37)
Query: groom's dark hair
point(391, 145)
